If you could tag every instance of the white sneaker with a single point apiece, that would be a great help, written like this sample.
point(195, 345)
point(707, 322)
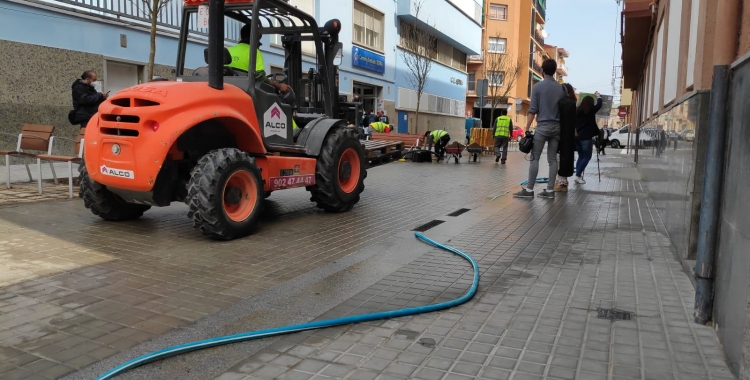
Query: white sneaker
point(579, 180)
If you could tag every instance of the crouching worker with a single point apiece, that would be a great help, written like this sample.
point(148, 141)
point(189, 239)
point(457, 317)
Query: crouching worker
point(440, 138)
point(379, 127)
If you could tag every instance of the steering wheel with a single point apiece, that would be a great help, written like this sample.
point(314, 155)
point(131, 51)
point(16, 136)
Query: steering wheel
point(275, 77)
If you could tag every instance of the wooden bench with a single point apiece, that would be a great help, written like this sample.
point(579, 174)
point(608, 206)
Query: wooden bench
point(33, 137)
point(78, 158)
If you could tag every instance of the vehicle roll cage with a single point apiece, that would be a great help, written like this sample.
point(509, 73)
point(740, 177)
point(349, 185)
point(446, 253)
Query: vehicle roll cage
point(294, 25)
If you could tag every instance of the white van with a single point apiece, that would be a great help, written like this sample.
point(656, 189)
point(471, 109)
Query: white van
point(619, 138)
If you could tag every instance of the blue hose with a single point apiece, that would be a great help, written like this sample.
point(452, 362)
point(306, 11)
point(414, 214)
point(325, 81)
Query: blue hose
point(538, 180)
point(213, 342)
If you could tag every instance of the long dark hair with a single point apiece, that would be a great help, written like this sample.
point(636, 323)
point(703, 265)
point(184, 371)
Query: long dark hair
point(571, 91)
point(586, 106)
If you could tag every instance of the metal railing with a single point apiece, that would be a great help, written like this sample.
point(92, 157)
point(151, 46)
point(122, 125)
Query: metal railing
point(537, 67)
point(563, 68)
point(133, 11)
point(538, 37)
point(476, 57)
point(541, 6)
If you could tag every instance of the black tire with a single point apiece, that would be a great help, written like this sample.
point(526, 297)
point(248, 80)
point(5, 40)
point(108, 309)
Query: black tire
point(206, 193)
point(327, 191)
point(615, 144)
point(104, 203)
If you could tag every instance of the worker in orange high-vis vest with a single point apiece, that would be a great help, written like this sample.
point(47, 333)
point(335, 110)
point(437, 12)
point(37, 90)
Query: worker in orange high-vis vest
point(503, 126)
point(440, 138)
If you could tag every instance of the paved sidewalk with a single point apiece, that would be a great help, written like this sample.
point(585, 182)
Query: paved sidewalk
point(546, 268)
point(83, 295)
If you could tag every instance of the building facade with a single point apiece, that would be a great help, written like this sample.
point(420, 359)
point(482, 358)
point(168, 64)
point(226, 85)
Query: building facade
point(64, 38)
point(513, 34)
point(558, 54)
point(687, 65)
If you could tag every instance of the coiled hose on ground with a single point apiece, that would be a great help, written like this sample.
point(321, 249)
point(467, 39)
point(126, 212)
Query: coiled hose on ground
point(213, 342)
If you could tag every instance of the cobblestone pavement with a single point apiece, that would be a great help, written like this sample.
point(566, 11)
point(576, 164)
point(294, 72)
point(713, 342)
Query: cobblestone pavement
point(23, 191)
point(75, 289)
point(546, 267)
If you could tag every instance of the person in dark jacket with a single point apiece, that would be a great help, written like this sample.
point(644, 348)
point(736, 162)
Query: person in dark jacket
point(586, 130)
point(86, 99)
point(567, 145)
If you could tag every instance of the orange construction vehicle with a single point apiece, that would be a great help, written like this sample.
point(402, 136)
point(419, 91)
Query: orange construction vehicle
point(221, 140)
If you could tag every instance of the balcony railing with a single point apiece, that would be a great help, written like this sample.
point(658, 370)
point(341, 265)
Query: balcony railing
point(475, 57)
point(538, 37)
point(562, 69)
point(169, 19)
point(540, 6)
point(537, 67)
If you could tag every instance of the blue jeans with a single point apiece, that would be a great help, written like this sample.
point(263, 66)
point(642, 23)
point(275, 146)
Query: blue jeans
point(585, 149)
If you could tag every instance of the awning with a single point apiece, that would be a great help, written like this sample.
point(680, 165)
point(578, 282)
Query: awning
point(636, 28)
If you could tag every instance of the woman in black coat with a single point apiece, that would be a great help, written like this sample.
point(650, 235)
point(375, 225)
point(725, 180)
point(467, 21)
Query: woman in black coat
point(586, 130)
point(567, 145)
point(86, 99)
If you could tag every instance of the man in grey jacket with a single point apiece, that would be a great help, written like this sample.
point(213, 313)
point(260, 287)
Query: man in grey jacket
point(544, 98)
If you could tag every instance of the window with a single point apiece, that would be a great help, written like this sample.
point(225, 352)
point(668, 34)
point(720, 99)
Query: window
point(471, 82)
point(496, 45)
point(495, 78)
point(498, 12)
point(439, 51)
point(413, 40)
point(459, 60)
point(368, 27)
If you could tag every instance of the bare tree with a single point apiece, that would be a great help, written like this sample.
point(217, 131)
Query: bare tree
point(502, 71)
point(419, 49)
point(152, 10)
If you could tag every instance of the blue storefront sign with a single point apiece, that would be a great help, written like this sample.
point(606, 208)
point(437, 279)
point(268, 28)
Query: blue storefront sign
point(368, 60)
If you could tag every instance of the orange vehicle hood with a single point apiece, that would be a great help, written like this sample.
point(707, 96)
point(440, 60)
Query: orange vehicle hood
point(129, 117)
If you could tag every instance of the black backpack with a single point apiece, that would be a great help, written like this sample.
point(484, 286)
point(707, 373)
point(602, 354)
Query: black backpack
point(527, 143)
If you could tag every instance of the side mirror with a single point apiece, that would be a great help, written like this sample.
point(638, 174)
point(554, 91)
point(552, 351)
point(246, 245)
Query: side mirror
point(339, 57)
point(227, 56)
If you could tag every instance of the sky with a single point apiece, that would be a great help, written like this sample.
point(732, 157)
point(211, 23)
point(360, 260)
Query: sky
point(586, 29)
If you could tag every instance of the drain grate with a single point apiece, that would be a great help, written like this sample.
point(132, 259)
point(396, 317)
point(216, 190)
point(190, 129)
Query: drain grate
point(615, 314)
point(428, 225)
point(459, 212)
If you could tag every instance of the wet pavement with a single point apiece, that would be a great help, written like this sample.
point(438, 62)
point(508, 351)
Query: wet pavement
point(80, 294)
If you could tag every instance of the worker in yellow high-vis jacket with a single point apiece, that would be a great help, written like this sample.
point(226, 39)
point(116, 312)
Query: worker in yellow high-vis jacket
point(440, 138)
point(503, 126)
point(379, 127)
point(241, 60)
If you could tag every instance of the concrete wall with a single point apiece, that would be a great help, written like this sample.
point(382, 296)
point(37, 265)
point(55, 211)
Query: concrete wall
point(464, 32)
point(50, 27)
point(733, 261)
point(29, 95)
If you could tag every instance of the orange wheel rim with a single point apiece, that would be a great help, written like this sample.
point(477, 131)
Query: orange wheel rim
point(240, 195)
point(349, 168)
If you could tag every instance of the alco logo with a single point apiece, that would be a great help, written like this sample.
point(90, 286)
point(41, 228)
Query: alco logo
point(274, 122)
point(127, 174)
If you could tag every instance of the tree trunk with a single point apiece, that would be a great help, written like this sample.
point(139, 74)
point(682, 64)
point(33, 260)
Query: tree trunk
point(416, 117)
point(152, 53)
